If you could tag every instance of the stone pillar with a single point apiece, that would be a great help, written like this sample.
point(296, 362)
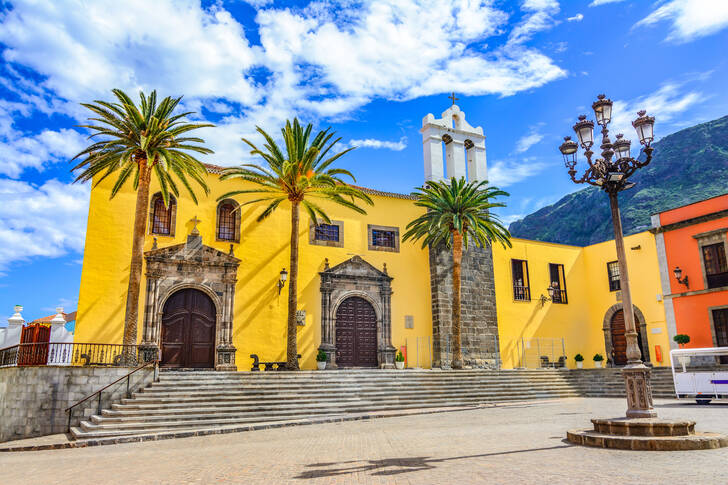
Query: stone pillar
point(225, 348)
point(58, 352)
point(386, 351)
point(455, 158)
point(432, 150)
point(327, 325)
point(477, 166)
point(15, 328)
point(479, 326)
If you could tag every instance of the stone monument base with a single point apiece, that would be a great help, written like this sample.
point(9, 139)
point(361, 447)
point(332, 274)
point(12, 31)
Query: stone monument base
point(646, 434)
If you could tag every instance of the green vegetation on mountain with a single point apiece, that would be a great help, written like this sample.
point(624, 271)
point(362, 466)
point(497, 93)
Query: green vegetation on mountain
point(687, 166)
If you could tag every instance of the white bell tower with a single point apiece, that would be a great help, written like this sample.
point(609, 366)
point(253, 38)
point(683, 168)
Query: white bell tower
point(463, 145)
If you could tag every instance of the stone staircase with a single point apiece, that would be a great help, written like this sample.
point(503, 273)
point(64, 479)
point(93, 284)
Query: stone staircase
point(187, 403)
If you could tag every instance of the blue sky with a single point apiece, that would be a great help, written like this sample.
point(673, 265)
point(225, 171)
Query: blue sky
point(523, 70)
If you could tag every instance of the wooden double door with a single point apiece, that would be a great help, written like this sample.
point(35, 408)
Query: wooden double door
point(188, 330)
point(356, 333)
point(619, 340)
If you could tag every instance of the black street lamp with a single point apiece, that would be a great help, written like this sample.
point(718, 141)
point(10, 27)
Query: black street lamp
point(611, 172)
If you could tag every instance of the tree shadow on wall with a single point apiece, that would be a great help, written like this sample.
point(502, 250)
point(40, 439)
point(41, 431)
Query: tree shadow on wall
point(395, 466)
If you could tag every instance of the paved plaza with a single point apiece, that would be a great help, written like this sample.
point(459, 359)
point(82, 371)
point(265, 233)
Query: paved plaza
point(522, 443)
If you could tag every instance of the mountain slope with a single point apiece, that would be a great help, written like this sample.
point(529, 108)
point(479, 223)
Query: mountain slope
point(687, 166)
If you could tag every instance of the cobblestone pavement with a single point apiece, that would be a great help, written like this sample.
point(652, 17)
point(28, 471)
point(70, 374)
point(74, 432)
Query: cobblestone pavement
point(510, 444)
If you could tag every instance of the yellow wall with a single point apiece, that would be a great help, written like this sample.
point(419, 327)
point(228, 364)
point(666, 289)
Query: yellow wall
point(259, 324)
point(580, 321)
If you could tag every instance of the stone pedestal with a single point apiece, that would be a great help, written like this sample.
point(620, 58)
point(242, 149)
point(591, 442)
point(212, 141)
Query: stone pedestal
point(639, 391)
point(647, 434)
point(330, 351)
point(386, 357)
point(226, 358)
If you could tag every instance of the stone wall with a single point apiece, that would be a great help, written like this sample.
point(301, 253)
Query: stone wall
point(479, 318)
point(33, 400)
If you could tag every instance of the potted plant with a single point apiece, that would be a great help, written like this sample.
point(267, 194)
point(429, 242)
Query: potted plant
point(598, 359)
point(399, 360)
point(579, 361)
point(321, 360)
point(682, 339)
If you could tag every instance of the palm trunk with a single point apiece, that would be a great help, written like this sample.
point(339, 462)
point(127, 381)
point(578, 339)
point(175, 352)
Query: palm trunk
point(457, 258)
point(137, 255)
point(292, 345)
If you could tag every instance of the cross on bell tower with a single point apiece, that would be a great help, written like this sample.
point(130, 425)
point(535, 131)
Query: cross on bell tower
point(453, 98)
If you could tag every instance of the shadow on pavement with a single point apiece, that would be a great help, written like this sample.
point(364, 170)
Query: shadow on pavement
point(395, 466)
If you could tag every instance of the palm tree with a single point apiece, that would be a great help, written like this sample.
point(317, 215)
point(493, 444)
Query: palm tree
point(457, 212)
point(138, 143)
point(299, 174)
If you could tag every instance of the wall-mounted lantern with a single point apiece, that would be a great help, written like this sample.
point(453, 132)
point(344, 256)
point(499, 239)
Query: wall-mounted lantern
point(551, 289)
point(678, 276)
point(282, 280)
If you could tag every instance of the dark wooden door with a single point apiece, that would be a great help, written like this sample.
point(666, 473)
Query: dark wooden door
point(356, 333)
point(619, 340)
point(720, 321)
point(188, 330)
point(36, 338)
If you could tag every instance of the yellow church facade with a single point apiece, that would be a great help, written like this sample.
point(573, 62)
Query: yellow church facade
point(213, 291)
point(580, 314)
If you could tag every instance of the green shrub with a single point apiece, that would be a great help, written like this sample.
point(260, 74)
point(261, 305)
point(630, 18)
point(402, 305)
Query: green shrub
point(598, 357)
point(579, 358)
point(321, 356)
point(681, 339)
point(399, 357)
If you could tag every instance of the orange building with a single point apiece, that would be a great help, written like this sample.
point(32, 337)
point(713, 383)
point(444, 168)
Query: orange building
point(692, 248)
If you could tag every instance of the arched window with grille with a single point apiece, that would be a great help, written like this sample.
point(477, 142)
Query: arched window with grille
point(162, 219)
point(228, 221)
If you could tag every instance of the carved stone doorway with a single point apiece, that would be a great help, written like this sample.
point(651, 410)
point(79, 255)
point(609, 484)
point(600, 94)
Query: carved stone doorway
point(205, 270)
point(355, 278)
point(615, 342)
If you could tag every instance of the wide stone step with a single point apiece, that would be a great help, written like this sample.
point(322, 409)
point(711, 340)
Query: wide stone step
point(187, 421)
point(214, 407)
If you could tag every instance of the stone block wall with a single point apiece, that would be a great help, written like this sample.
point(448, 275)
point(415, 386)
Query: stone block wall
point(479, 326)
point(33, 400)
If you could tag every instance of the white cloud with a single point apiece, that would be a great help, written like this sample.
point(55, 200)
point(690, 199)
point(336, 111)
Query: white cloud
point(576, 18)
point(322, 61)
point(538, 16)
point(47, 220)
point(503, 173)
point(397, 146)
point(596, 3)
point(690, 18)
point(665, 105)
point(527, 141)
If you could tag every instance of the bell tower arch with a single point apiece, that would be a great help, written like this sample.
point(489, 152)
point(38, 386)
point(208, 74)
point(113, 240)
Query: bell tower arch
point(464, 147)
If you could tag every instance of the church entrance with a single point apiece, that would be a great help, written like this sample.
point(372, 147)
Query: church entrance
point(619, 340)
point(356, 333)
point(188, 330)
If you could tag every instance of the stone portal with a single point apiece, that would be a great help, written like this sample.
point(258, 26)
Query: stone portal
point(356, 288)
point(192, 265)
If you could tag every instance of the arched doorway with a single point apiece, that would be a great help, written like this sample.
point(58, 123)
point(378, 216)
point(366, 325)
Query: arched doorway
point(188, 330)
point(356, 333)
point(619, 340)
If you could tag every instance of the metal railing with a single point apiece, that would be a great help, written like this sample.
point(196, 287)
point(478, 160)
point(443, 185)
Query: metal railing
point(559, 296)
point(99, 393)
point(537, 353)
point(76, 354)
point(419, 352)
point(487, 342)
point(521, 293)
